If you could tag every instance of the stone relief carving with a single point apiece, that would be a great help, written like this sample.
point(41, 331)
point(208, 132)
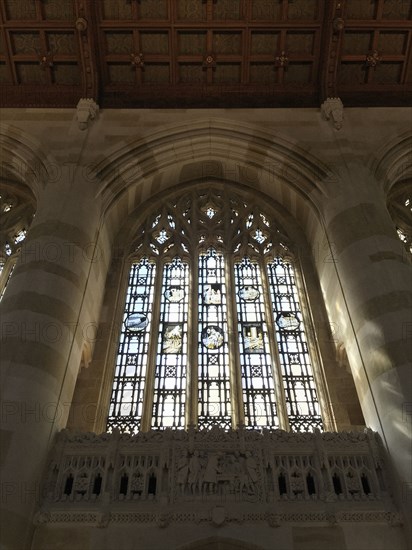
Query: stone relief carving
point(219, 475)
point(223, 472)
point(332, 109)
point(87, 110)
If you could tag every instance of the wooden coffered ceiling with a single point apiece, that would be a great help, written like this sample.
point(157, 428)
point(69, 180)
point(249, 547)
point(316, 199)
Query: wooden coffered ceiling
point(201, 53)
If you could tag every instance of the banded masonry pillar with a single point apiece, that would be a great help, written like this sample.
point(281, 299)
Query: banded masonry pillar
point(369, 296)
point(42, 314)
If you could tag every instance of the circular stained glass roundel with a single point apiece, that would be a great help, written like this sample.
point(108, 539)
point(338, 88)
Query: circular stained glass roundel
point(212, 337)
point(175, 294)
point(287, 321)
point(136, 322)
point(249, 293)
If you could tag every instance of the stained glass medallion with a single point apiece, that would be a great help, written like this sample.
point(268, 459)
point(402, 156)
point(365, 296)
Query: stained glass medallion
point(172, 341)
point(249, 293)
point(212, 337)
point(287, 321)
point(253, 338)
point(213, 320)
point(175, 294)
point(136, 322)
point(212, 294)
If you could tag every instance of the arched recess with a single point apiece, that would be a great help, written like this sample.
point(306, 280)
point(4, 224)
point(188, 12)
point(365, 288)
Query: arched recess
point(399, 202)
point(211, 148)
point(392, 163)
point(17, 208)
point(23, 175)
point(101, 368)
point(234, 154)
point(23, 160)
point(393, 170)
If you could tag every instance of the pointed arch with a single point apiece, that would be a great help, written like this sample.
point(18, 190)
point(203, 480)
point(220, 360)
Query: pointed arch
point(23, 160)
point(213, 332)
point(211, 149)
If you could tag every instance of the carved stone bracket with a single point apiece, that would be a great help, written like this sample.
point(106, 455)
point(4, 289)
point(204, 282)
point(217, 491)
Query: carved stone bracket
point(87, 110)
point(332, 109)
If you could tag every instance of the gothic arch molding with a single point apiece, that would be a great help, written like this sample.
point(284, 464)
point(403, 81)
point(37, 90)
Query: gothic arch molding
point(287, 223)
point(392, 163)
point(23, 160)
point(234, 152)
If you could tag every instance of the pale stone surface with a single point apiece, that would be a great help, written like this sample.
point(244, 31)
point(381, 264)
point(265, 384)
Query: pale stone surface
point(329, 189)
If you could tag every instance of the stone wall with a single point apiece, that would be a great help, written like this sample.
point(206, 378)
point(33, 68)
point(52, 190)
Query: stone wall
point(90, 186)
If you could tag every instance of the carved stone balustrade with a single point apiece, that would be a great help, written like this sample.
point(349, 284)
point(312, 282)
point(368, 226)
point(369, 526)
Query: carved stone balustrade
point(218, 476)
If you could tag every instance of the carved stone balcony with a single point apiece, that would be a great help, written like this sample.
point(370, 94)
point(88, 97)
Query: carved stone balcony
point(216, 476)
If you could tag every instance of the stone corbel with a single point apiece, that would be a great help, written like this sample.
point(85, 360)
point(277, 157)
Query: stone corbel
point(332, 109)
point(87, 110)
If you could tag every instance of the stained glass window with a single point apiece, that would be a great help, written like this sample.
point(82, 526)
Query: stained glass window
point(258, 383)
point(126, 406)
point(213, 352)
point(302, 404)
point(213, 330)
point(171, 359)
point(16, 213)
point(400, 208)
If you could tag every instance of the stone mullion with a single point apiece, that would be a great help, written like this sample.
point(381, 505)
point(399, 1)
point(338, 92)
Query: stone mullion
point(274, 353)
point(193, 375)
point(236, 394)
point(147, 411)
point(192, 343)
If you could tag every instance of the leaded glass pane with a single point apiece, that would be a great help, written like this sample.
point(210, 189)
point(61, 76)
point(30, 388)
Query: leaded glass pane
point(16, 213)
point(171, 362)
point(126, 405)
point(8, 275)
point(302, 403)
point(153, 359)
point(258, 387)
point(213, 353)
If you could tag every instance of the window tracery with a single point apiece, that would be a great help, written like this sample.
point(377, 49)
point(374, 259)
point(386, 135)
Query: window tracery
point(16, 212)
point(213, 332)
point(400, 208)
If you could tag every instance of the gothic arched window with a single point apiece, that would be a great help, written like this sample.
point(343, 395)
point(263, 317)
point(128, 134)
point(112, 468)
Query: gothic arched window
point(213, 331)
point(400, 209)
point(16, 211)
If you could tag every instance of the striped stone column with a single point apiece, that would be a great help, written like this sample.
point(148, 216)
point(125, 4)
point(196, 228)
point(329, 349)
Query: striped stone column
point(368, 289)
point(45, 318)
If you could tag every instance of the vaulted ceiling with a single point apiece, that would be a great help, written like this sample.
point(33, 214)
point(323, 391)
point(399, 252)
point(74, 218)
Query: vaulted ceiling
point(201, 53)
